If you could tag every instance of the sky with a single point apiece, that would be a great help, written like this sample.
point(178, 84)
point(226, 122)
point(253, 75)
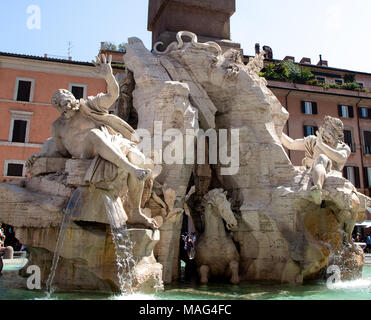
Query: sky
point(339, 30)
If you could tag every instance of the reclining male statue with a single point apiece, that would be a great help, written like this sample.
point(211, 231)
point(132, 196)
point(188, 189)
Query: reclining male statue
point(323, 153)
point(85, 130)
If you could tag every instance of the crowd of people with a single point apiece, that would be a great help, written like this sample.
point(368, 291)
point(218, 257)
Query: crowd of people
point(358, 238)
point(8, 242)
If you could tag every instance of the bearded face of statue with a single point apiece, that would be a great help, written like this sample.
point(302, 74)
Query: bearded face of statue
point(68, 107)
point(329, 136)
point(65, 102)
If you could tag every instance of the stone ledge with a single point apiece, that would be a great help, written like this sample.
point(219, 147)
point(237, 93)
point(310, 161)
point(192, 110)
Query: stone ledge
point(47, 165)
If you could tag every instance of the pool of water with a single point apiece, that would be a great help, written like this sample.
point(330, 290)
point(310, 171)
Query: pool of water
point(349, 290)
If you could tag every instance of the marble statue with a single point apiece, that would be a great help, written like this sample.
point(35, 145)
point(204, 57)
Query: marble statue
point(85, 130)
point(324, 152)
point(216, 254)
point(289, 222)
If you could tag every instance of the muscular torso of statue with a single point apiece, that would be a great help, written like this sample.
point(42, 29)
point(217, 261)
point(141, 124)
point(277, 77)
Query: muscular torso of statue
point(72, 133)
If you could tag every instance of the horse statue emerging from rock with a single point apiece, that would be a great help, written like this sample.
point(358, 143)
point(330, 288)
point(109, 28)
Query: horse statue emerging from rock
point(216, 254)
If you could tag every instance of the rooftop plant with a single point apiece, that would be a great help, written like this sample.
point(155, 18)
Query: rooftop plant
point(288, 71)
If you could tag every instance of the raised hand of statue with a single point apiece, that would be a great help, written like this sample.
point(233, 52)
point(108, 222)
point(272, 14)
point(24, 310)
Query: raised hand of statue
point(103, 66)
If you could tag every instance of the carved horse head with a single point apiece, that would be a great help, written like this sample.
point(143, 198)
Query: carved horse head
point(220, 207)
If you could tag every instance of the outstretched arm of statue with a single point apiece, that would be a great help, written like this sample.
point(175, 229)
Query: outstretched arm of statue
point(103, 69)
point(291, 144)
point(338, 155)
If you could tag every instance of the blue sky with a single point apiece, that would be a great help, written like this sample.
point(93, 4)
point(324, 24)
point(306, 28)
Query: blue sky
point(337, 29)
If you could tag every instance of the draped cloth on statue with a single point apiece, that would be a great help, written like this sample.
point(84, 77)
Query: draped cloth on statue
point(120, 135)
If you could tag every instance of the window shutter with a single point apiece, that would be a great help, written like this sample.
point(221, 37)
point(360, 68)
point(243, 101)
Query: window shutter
point(305, 131)
point(351, 112)
point(367, 138)
point(339, 111)
point(314, 108)
point(348, 138)
point(356, 177)
point(303, 106)
point(368, 113)
point(315, 129)
point(359, 112)
point(365, 177)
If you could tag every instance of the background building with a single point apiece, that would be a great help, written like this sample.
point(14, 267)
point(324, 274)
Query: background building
point(340, 93)
point(27, 84)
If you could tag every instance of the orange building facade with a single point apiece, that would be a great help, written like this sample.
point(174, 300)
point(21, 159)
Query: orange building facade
point(27, 84)
point(309, 104)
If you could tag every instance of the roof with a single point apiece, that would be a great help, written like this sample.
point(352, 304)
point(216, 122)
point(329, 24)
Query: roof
point(316, 66)
point(25, 56)
point(366, 224)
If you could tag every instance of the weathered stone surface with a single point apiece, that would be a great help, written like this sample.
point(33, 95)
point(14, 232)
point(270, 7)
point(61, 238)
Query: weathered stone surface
point(76, 170)
point(45, 165)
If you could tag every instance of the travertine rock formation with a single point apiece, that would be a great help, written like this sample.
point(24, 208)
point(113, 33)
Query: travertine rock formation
point(283, 233)
point(268, 192)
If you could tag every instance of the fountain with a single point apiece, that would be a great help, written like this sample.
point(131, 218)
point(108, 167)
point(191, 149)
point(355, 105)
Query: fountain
point(285, 224)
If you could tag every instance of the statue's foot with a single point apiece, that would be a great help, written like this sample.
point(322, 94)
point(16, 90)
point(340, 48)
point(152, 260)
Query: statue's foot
point(139, 218)
point(316, 194)
point(142, 174)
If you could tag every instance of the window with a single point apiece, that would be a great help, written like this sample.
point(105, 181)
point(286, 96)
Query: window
point(364, 113)
point(14, 168)
point(367, 177)
point(24, 89)
point(361, 85)
point(367, 142)
point(19, 131)
point(308, 107)
point(352, 174)
point(321, 79)
point(78, 90)
point(348, 140)
point(345, 111)
point(19, 126)
point(310, 131)
point(339, 81)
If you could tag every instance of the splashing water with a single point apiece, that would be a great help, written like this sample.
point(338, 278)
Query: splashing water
point(123, 245)
point(121, 239)
point(66, 222)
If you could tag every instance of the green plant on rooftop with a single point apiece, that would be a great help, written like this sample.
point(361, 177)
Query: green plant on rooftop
point(348, 77)
point(351, 86)
point(286, 71)
point(112, 47)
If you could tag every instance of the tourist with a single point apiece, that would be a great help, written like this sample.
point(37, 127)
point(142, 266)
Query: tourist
point(368, 243)
point(358, 237)
point(6, 251)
